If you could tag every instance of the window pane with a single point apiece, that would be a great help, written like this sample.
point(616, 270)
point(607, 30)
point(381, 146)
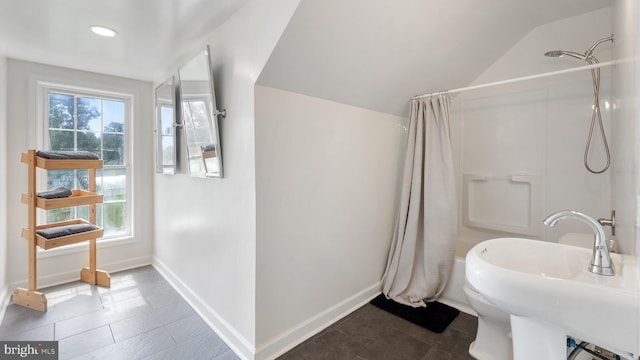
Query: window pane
point(113, 116)
point(198, 112)
point(60, 178)
point(203, 136)
point(60, 111)
point(60, 215)
point(114, 215)
point(195, 165)
point(95, 124)
point(82, 179)
point(82, 212)
point(99, 221)
point(166, 120)
point(89, 141)
point(113, 149)
point(89, 114)
point(61, 140)
point(114, 184)
point(167, 150)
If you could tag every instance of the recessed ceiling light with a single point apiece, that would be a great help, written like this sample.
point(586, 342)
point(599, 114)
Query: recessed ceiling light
point(103, 31)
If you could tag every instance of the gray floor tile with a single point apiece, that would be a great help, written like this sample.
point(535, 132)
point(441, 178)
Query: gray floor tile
point(228, 355)
point(133, 326)
point(394, 344)
point(187, 328)
point(370, 333)
point(85, 342)
point(110, 314)
point(129, 294)
point(136, 347)
point(18, 319)
point(164, 297)
point(333, 344)
point(43, 333)
point(206, 346)
point(87, 320)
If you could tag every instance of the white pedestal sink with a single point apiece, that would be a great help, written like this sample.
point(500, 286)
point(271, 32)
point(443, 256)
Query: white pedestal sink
point(549, 293)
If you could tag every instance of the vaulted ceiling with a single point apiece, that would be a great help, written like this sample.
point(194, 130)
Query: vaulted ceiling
point(377, 54)
point(374, 54)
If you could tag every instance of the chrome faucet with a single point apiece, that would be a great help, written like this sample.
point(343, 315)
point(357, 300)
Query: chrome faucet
point(601, 259)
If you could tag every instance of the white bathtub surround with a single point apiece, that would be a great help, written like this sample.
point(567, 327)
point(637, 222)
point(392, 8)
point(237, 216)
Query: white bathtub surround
point(423, 244)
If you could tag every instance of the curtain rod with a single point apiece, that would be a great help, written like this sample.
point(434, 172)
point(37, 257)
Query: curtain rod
point(509, 81)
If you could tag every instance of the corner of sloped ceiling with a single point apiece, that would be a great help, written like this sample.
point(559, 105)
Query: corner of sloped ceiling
point(378, 54)
point(576, 32)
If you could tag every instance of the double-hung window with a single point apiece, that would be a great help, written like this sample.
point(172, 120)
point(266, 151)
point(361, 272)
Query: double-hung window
point(97, 122)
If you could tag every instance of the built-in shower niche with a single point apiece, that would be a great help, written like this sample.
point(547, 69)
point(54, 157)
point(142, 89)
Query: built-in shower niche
point(508, 203)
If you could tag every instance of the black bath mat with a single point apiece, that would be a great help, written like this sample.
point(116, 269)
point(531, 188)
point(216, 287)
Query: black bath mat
point(435, 317)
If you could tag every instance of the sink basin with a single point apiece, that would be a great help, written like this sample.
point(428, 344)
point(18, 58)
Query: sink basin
point(548, 284)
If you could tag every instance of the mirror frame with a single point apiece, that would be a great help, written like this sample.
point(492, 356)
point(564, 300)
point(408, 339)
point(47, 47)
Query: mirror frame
point(210, 153)
point(162, 131)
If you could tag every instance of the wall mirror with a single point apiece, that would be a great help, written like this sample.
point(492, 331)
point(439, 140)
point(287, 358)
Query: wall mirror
point(165, 127)
point(200, 116)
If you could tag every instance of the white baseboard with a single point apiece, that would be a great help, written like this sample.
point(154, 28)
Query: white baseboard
point(287, 340)
point(277, 345)
point(238, 343)
point(69, 276)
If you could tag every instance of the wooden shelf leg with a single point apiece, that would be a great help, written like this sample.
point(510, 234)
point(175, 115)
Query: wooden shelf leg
point(33, 269)
point(91, 274)
point(97, 277)
point(30, 299)
point(92, 259)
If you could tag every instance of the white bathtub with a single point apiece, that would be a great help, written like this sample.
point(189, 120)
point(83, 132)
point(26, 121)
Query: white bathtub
point(453, 294)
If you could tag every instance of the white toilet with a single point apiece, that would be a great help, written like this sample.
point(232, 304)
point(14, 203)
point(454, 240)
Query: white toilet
point(493, 339)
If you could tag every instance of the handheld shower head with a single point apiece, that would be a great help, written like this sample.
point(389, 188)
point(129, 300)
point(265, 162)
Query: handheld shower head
point(561, 53)
point(587, 56)
point(595, 75)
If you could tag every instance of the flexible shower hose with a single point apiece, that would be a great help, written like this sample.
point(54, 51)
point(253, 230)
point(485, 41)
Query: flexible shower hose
point(596, 115)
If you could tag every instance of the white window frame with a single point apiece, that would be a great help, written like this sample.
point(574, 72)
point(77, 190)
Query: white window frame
point(43, 91)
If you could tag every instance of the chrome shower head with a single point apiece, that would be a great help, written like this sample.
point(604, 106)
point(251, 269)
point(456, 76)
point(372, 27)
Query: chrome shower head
point(587, 56)
point(595, 76)
point(561, 53)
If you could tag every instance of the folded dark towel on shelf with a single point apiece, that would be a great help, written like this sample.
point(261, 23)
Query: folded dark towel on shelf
point(65, 230)
point(57, 193)
point(210, 147)
point(67, 155)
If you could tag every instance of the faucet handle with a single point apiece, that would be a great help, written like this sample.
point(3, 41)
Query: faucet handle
point(610, 222)
point(610, 245)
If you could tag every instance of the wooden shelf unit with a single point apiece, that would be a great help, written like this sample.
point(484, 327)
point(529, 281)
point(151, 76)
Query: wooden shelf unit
point(30, 297)
point(77, 198)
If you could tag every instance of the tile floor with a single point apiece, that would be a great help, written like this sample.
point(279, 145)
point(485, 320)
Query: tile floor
point(373, 334)
point(142, 317)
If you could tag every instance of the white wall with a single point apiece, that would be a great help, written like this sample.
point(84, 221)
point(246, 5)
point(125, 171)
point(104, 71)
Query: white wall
point(327, 181)
point(626, 132)
point(539, 127)
point(205, 229)
point(63, 264)
point(3, 184)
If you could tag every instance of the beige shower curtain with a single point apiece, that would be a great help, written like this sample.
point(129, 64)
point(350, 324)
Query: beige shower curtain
point(423, 245)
